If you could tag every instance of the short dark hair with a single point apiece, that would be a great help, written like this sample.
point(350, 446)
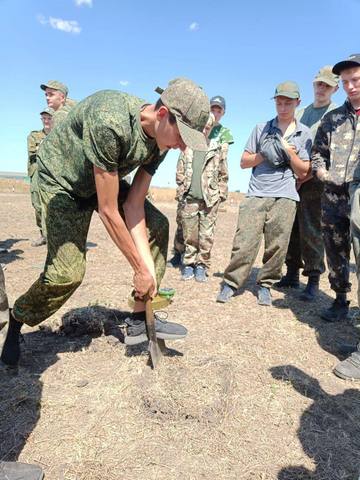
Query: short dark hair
point(172, 118)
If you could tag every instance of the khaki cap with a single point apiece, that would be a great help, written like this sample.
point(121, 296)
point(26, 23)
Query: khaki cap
point(56, 86)
point(48, 110)
point(326, 75)
point(191, 107)
point(287, 89)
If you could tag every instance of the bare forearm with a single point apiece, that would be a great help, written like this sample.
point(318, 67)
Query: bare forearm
point(300, 167)
point(250, 160)
point(135, 221)
point(119, 233)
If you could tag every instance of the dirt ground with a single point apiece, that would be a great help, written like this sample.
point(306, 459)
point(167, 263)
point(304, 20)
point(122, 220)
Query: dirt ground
point(249, 394)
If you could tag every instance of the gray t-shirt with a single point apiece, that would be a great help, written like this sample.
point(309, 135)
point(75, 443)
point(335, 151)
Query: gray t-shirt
point(268, 181)
point(311, 116)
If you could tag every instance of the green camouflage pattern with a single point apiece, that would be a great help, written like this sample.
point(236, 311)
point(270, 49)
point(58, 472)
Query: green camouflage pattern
point(33, 142)
point(354, 192)
point(179, 245)
point(67, 223)
point(306, 247)
point(221, 134)
point(198, 226)
point(336, 147)
point(61, 113)
point(335, 223)
point(271, 218)
point(103, 130)
point(214, 178)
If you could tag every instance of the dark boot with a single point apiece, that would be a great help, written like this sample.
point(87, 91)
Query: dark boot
point(311, 289)
point(175, 261)
point(11, 350)
point(290, 280)
point(338, 310)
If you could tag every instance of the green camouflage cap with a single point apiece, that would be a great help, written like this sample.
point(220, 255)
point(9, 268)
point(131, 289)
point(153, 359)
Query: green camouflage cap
point(56, 86)
point(191, 107)
point(48, 110)
point(287, 89)
point(326, 75)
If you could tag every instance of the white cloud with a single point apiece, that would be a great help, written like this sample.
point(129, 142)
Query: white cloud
point(124, 83)
point(194, 26)
point(68, 26)
point(78, 3)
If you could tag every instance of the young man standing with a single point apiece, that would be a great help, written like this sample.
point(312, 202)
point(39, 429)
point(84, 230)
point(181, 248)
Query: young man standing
point(219, 135)
point(56, 94)
point(80, 167)
point(276, 151)
point(336, 161)
point(306, 247)
point(33, 142)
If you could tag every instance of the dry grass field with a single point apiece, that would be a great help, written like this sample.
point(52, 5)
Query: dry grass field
point(249, 394)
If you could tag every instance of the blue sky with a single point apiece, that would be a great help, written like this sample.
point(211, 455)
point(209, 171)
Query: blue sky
point(240, 50)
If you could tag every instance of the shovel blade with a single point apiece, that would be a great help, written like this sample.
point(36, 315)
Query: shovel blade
point(155, 353)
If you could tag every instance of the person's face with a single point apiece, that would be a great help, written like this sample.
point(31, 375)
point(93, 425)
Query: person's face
point(167, 134)
point(54, 98)
point(285, 107)
point(323, 92)
point(46, 121)
point(350, 79)
point(218, 112)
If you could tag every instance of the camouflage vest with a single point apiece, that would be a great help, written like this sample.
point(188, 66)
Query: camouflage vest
point(214, 177)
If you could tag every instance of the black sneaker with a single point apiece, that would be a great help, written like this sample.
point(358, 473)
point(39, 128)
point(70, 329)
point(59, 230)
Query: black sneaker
point(311, 290)
point(11, 349)
point(175, 261)
point(337, 312)
point(136, 329)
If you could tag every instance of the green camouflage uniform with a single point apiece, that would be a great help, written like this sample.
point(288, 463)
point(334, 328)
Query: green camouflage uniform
point(336, 148)
point(306, 247)
point(104, 130)
point(222, 136)
point(198, 216)
point(62, 112)
point(33, 142)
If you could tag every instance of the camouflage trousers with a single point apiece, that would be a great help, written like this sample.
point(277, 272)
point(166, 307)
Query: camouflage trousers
point(67, 224)
point(271, 218)
point(198, 224)
point(179, 245)
point(335, 222)
point(306, 246)
point(36, 203)
point(4, 304)
point(354, 191)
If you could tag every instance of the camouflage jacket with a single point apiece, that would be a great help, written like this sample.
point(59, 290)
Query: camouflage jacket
point(62, 112)
point(214, 178)
point(33, 142)
point(337, 145)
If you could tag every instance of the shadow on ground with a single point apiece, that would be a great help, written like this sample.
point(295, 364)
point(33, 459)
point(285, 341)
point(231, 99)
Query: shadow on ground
point(20, 389)
point(329, 429)
point(329, 335)
point(10, 255)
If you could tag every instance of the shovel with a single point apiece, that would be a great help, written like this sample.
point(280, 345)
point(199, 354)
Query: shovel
point(156, 346)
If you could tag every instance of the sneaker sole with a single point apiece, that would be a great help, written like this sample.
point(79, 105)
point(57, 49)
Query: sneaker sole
point(187, 278)
point(129, 340)
point(345, 377)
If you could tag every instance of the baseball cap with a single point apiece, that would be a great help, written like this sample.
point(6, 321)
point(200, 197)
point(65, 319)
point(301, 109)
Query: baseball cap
point(190, 105)
point(48, 110)
point(327, 76)
point(351, 62)
point(219, 101)
point(56, 86)
point(287, 89)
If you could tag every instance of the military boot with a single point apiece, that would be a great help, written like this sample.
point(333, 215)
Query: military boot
point(338, 310)
point(311, 289)
point(11, 349)
point(290, 280)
